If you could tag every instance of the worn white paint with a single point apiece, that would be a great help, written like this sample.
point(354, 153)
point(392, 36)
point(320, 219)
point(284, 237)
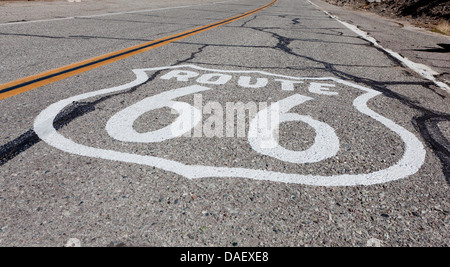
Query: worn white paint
point(111, 14)
point(73, 243)
point(322, 89)
point(421, 69)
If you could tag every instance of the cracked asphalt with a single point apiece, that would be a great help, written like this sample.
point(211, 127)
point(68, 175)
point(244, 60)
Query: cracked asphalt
point(66, 175)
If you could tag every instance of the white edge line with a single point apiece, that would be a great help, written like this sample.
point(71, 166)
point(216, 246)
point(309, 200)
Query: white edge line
point(421, 69)
point(110, 14)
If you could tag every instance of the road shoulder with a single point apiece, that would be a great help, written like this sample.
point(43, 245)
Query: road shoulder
point(416, 44)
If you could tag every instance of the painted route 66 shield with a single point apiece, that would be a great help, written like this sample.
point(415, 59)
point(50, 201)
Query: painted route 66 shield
point(207, 123)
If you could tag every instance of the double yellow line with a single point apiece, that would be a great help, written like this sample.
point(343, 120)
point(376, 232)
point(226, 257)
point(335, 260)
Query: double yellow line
point(29, 83)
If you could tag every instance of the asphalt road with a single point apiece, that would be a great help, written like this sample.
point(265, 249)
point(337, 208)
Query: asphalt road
point(164, 143)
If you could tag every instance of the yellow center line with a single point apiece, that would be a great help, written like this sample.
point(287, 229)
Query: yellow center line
point(32, 82)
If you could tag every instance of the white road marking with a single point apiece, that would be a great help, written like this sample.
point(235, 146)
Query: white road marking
point(373, 242)
point(322, 89)
point(111, 14)
point(73, 243)
point(262, 139)
point(421, 69)
point(120, 126)
point(410, 163)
